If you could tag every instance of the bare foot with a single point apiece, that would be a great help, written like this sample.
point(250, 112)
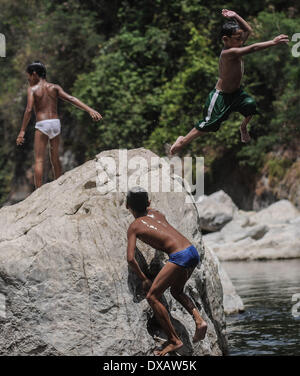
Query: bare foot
point(245, 137)
point(200, 331)
point(169, 347)
point(175, 148)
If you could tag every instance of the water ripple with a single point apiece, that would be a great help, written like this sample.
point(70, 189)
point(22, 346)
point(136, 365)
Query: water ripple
point(267, 327)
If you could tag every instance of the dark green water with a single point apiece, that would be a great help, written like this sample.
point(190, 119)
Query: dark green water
point(268, 326)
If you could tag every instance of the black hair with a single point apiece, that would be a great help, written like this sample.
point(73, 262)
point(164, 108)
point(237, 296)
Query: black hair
point(137, 199)
point(229, 28)
point(37, 67)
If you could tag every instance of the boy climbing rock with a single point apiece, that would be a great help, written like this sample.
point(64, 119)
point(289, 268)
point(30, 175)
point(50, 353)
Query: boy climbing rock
point(152, 228)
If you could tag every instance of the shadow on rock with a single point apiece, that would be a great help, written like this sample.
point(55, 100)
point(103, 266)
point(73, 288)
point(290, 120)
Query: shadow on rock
point(134, 283)
point(155, 330)
point(151, 271)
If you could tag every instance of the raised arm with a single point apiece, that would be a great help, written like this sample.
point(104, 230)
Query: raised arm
point(76, 102)
point(131, 238)
point(247, 30)
point(234, 52)
point(26, 117)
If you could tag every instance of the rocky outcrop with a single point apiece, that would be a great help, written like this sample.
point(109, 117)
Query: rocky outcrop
point(272, 233)
point(65, 286)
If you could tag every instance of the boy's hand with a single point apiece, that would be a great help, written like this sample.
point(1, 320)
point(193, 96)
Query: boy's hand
point(95, 115)
point(228, 13)
point(20, 139)
point(281, 39)
point(147, 284)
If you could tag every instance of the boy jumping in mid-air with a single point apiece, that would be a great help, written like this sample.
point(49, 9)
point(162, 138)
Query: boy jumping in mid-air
point(228, 96)
point(151, 227)
point(42, 97)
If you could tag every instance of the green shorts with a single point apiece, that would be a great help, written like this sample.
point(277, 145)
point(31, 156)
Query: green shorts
point(220, 105)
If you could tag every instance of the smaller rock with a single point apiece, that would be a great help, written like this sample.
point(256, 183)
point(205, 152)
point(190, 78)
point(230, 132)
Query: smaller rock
point(295, 221)
point(215, 211)
point(234, 232)
point(232, 302)
point(280, 212)
point(272, 233)
point(2, 306)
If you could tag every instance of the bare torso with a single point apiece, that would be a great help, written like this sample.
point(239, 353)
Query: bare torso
point(231, 71)
point(154, 230)
point(45, 100)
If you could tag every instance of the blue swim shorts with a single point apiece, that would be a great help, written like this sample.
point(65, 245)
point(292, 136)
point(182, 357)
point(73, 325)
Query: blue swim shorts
point(187, 258)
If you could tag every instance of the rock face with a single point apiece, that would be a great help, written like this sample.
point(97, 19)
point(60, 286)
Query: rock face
point(65, 286)
point(271, 233)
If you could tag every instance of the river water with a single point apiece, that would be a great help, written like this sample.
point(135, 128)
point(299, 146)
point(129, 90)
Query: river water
point(270, 324)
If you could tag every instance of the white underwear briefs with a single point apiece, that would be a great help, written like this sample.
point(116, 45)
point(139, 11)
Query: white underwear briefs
point(50, 127)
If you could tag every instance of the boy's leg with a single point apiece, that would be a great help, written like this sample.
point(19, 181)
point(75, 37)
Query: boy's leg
point(184, 140)
point(187, 303)
point(40, 144)
point(54, 156)
point(246, 106)
point(215, 111)
point(165, 278)
point(245, 137)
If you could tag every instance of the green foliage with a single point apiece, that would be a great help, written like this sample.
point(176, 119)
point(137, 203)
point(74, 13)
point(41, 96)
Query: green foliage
point(253, 155)
point(182, 98)
point(277, 167)
point(124, 86)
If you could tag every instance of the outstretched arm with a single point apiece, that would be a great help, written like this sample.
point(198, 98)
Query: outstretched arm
point(76, 102)
point(242, 23)
point(26, 117)
point(234, 52)
point(131, 237)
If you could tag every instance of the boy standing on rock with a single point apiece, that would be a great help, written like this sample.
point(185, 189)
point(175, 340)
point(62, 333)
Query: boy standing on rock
point(228, 96)
point(42, 96)
point(152, 228)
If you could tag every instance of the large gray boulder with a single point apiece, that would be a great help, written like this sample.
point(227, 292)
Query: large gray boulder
point(65, 286)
